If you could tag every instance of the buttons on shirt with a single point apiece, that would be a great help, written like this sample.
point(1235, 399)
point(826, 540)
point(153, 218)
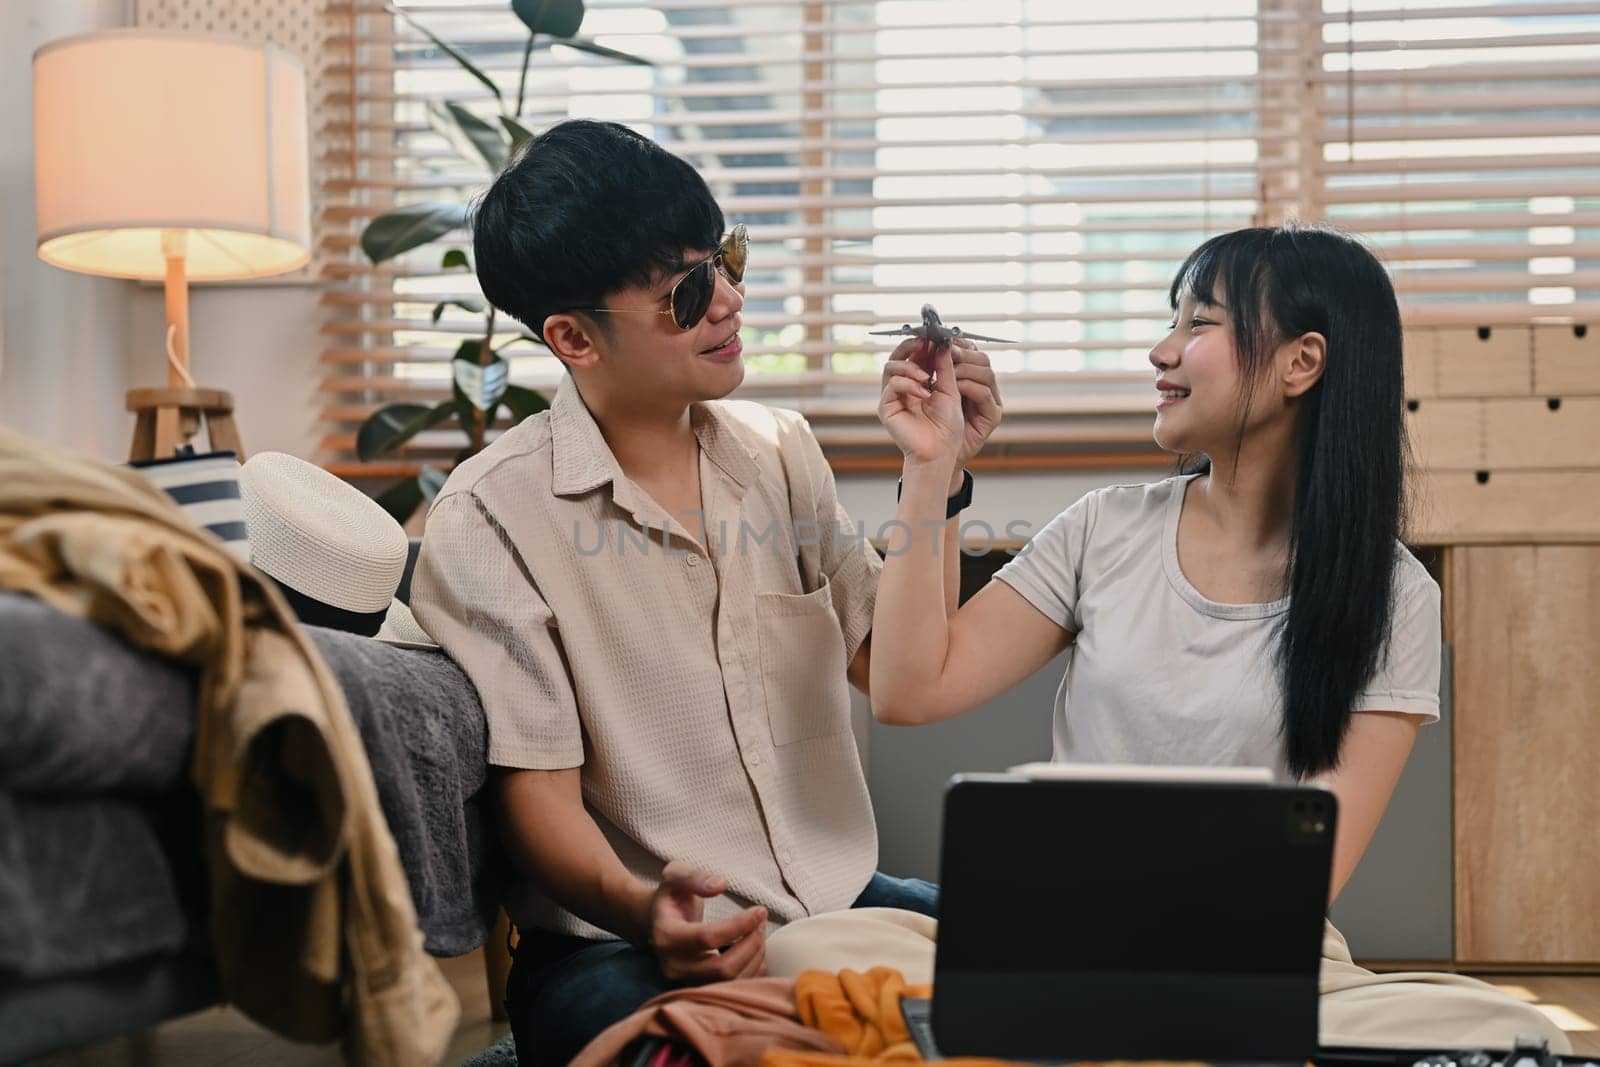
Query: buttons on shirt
point(755, 759)
point(785, 856)
point(694, 560)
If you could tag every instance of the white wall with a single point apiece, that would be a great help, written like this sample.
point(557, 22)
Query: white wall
point(1011, 729)
point(63, 362)
point(907, 769)
point(1028, 499)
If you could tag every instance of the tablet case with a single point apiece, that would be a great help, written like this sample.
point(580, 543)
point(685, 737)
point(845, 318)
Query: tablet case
point(1131, 920)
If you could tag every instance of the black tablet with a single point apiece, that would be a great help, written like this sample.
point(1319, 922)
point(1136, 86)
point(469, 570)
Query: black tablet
point(1090, 916)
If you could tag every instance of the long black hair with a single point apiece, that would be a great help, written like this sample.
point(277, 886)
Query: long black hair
point(1350, 456)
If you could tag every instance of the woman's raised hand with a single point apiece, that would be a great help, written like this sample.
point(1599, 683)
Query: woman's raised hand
point(939, 401)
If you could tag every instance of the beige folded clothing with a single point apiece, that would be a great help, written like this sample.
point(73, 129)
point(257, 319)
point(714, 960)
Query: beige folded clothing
point(1405, 1010)
point(1419, 1009)
point(855, 940)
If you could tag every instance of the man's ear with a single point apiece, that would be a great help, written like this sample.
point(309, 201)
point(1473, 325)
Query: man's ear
point(573, 339)
point(1303, 360)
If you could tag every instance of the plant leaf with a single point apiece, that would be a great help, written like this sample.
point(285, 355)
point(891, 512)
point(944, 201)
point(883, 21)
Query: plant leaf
point(401, 499)
point(520, 134)
point(467, 350)
point(455, 258)
point(558, 18)
point(464, 410)
point(483, 386)
point(522, 75)
point(475, 306)
point(393, 425)
point(429, 481)
point(583, 44)
point(472, 138)
point(410, 227)
point(522, 402)
point(375, 435)
point(448, 50)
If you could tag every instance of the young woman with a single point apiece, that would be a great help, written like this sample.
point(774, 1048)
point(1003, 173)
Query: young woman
point(1258, 610)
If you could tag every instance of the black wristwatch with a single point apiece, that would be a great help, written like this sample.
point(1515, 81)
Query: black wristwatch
point(954, 505)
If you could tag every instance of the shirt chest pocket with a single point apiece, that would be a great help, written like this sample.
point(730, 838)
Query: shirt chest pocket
point(802, 665)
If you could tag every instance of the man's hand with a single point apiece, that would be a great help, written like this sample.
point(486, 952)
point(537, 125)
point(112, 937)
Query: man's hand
point(688, 948)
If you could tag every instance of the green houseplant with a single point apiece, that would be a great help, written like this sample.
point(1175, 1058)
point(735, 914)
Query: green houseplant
point(480, 376)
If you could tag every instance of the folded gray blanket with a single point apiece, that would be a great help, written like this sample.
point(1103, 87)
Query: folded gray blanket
point(90, 723)
point(83, 711)
point(84, 884)
point(427, 740)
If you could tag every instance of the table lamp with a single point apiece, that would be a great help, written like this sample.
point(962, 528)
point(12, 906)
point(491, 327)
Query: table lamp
point(173, 156)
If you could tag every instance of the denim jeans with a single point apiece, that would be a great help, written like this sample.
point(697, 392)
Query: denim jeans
point(565, 990)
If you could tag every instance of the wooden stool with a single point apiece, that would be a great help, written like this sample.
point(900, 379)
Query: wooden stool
point(168, 418)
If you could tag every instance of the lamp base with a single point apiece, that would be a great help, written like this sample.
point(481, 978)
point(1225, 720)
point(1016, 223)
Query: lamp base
point(168, 418)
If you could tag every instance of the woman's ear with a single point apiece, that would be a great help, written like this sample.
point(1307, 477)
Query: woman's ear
point(572, 339)
point(1303, 361)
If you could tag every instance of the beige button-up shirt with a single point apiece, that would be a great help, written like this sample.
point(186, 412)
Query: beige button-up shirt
point(700, 686)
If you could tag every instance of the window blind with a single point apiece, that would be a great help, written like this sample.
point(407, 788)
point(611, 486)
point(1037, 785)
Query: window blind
point(1464, 142)
point(1036, 170)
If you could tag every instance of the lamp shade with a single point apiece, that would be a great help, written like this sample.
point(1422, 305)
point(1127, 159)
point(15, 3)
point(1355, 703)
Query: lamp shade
point(140, 132)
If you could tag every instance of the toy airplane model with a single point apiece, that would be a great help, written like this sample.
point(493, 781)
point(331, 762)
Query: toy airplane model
point(932, 329)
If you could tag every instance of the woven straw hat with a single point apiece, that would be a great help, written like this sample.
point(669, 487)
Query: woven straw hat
point(337, 555)
point(401, 628)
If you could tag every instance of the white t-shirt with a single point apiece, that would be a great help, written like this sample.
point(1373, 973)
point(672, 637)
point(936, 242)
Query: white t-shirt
point(1158, 674)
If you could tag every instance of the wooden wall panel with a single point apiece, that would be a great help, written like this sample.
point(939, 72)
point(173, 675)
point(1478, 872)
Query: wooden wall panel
point(1526, 622)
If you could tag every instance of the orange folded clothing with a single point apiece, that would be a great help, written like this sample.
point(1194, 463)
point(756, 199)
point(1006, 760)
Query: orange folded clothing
point(862, 1013)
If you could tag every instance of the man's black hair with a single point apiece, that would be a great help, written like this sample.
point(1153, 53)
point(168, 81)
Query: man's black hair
point(585, 209)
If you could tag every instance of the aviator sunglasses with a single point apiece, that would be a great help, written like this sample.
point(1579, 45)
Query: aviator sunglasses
point(690, 298)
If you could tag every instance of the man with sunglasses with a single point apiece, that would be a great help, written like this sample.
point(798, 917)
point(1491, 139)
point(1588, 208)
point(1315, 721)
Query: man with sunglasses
point(660, 602)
